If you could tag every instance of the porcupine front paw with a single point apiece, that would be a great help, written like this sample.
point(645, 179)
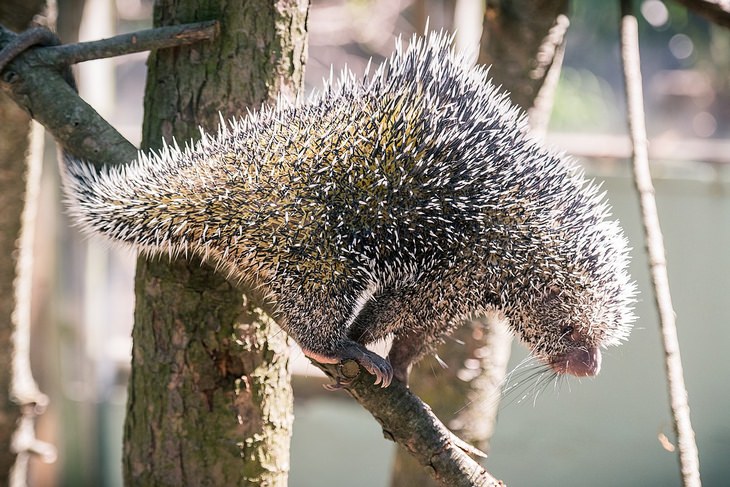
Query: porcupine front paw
point(370, 361)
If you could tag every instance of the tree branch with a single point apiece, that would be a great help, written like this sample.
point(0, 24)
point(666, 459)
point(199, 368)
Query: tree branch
point(716, 11)
point(143, 40)
point(33, 79)
point(549, 63)
point(410, 422)
point(688, 456)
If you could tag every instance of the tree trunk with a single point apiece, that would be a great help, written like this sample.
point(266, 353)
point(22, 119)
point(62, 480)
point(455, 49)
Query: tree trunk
point(209, 398)
point(516, 42)
point(522, 41)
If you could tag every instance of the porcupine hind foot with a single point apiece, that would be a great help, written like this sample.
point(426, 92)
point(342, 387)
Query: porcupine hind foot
point(350, 350)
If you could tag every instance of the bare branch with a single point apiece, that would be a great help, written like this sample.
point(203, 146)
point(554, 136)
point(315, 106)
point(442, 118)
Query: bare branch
point(688, 456)
point(143, 40)
point(409, 422)
point(34, 81)
point(517, 37)
point(549, 61)
point(716, 11)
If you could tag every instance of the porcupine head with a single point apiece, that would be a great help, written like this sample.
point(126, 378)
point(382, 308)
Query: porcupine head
point(396, 204)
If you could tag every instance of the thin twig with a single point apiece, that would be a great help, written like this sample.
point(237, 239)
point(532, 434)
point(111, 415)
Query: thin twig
point(143, 40)
point(688, 456)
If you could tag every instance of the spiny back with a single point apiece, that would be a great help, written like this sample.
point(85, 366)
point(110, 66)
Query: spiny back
point(359, 154)
point(415, 166)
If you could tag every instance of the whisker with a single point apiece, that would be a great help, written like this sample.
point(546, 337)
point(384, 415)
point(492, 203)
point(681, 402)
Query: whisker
point(528, 379)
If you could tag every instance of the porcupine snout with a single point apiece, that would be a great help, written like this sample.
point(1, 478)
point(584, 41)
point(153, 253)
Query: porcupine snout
point(579, 361)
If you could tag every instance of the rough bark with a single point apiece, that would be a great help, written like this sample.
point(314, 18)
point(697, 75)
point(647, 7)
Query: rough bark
point(209, 398)
point(522, 41)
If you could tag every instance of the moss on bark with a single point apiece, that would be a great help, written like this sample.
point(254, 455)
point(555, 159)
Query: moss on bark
point(210, 401)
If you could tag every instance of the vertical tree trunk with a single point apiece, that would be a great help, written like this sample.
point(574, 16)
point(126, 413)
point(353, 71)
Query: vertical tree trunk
point(209, 398)
point(522, 42)
point(519, 42)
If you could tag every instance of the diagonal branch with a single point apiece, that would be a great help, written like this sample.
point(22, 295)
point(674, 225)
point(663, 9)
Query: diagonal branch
point(143, 40)
point(32, 79)
point(52, 54)
point(716, 11)
point(688, 456)
point(410, 422)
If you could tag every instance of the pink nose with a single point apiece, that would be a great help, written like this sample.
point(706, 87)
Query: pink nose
point(581, 362)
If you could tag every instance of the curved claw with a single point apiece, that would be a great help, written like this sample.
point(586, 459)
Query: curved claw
point(373, 363)
point(338, 385)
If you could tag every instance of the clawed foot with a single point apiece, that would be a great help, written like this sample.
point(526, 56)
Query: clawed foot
point(374, 364)
point(370, 361)
point(339, 384)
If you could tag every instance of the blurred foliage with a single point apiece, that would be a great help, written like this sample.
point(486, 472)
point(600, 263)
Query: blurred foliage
point(589, 96)
point(585, 102)
point(718, 60)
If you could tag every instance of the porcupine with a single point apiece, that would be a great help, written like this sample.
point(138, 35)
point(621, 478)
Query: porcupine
point(393, 205)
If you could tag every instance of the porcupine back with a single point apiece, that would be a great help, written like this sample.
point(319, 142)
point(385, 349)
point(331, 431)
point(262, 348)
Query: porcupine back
point(334, 156)
point(423, 169)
